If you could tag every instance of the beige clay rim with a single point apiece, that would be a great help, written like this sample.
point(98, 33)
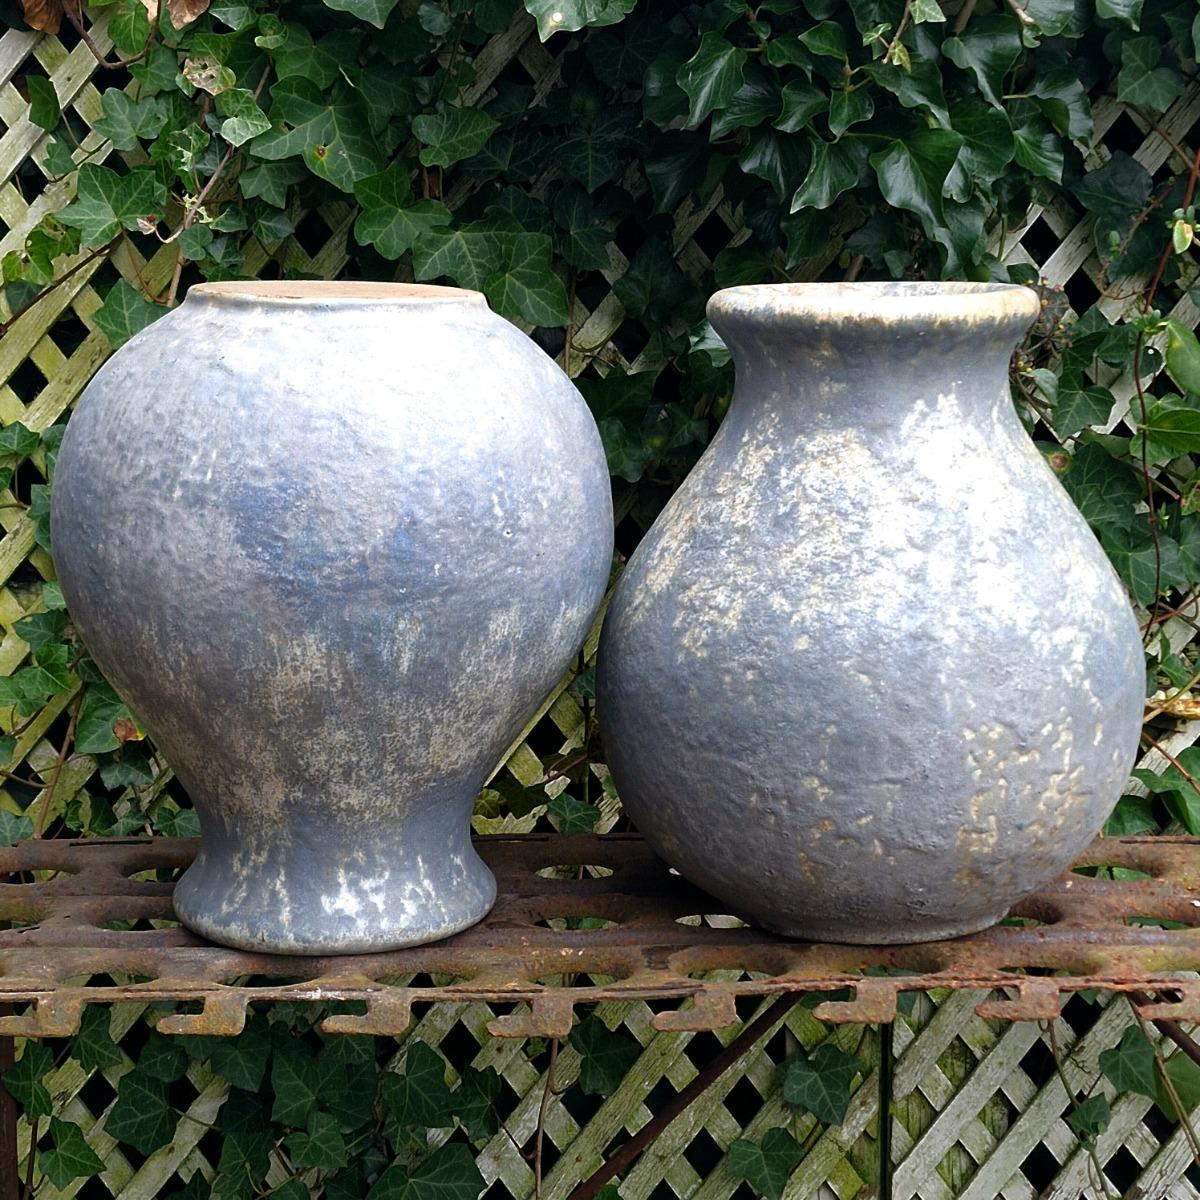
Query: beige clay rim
point(325, 292)
point(882, 303)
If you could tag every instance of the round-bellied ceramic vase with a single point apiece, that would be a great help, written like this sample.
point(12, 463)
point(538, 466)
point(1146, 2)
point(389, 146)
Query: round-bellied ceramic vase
point(870, 678)
point(333, 543)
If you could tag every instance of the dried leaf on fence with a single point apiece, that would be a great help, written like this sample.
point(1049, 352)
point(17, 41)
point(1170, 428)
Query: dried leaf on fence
point(45, 15)
point(183, 12)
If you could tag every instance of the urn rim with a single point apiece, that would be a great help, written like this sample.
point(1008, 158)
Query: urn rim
point(325, 292)
point(899, 303)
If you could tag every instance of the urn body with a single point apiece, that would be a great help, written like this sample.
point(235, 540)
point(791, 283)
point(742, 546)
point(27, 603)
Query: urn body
point(333, 544)
point(870, 677)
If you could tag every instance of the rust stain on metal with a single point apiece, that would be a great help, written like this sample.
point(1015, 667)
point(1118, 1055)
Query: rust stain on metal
point(92, 923)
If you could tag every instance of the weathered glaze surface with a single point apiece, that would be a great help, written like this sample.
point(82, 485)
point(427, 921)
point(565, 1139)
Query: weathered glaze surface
point(870, 678)
point(333, 544)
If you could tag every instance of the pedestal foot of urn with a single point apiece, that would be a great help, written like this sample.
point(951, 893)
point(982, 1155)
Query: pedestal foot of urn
point(365, 901)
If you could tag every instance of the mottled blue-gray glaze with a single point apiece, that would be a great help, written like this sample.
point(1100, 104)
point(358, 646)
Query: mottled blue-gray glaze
point(333, 544)
point(870, 678)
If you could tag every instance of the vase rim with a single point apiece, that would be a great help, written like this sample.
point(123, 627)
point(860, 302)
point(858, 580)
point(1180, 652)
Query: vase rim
point(880, 303)
point(323, 292)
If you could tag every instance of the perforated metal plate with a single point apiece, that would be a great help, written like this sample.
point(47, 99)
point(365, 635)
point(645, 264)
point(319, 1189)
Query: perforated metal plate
point(580, 919)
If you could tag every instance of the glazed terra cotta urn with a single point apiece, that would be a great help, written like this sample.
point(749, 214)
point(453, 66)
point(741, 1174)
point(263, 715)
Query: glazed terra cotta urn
point(870, 677)
point(333, 543)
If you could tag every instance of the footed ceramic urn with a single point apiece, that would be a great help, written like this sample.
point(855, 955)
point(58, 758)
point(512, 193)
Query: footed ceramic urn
point(870, 677)
point(333, 543)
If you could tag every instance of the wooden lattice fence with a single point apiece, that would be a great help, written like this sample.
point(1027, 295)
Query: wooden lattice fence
point(979, 1108)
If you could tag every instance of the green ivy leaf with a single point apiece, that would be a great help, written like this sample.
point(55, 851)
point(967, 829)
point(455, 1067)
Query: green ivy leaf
point(1133, 815)
point(1064, 100)
point(39, 628)
point(126, 123)
point(449, 1173)
point(926, 10)
point(241, 1060)
point(195, 241)
point(125, 311)
point(270, 181)
point(418, 1095)
point(987, 141)
point(141, 1117)
point(1177, 791)
point(912, 173)
point(246, 1144)
point(24, 1080)
point(820, 1083)
point(1127, 11)
point(1129, 1066)
point(768, 1166)
point(182, 149)
point(778, 159)
point(513, 268)
point(711, 77)
point(129, 27)
point(1090, 1118)
point(1038, 149)
point(389, 220)
point(849, 106)
point(14, 827)
point(93, 1045)
point(757, 100)
point(1184, 1075)
point(15, 438)
point(374, 12)
point(801, 102)
point(163, 1057)
point(565, 16)
point(1146, 567)
point(584, 242)
point(157, 71)
point(69, 1157)
point(330, 132)
point(295, 1085)
point(834, 169)
point(1142, 81)
point(678, 163)
point(1115, 191)
point(826, 39)
point(605, 1056)
point(43, 102)
point(988, 49)
point(242, 117)
point(475, 1102)
point(320, 1146)
point(452, 135)
point(101, 710)
point(1171, 428)
point(571, 815)
point(590, 151)
point(59, 161)
point(105, 202)
point(524, 285)
point(1077, 408)
point(54, 659)
point(1182, 356)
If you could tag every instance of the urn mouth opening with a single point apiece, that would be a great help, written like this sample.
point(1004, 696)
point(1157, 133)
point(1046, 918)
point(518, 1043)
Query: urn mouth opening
point(323, 293)
point(879, 305)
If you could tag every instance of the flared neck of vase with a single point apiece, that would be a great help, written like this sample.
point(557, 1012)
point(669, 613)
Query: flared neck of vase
point(862, 351)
